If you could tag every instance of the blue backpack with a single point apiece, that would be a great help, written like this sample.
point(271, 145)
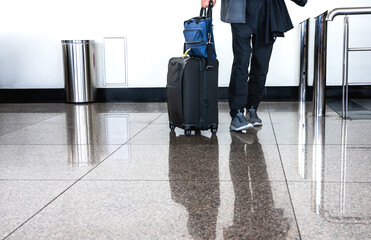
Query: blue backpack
point(199, 38)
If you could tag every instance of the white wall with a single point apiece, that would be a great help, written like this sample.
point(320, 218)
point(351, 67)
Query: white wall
point(31, 31)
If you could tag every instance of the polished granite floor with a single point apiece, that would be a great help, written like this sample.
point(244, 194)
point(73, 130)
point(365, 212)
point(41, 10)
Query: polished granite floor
point(115, 171)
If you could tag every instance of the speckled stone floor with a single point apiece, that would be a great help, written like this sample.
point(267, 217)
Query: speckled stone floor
point(115, 171)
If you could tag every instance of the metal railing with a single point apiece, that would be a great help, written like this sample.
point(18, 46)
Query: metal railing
point(345, 83)
point(319, 121)
point(320, 61)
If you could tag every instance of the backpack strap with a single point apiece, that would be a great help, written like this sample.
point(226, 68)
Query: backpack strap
point(209, 48)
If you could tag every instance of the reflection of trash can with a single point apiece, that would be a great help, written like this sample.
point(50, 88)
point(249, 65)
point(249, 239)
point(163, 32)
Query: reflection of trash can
point(79, 70)
point(81, 124)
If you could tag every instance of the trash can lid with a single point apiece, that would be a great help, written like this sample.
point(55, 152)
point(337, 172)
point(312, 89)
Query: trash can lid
point(78, 41)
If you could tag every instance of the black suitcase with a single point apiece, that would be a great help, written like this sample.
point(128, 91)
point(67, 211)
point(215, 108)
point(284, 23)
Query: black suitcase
point(192, 94)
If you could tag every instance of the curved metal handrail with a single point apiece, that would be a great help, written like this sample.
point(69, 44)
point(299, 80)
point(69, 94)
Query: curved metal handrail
point(347, 11)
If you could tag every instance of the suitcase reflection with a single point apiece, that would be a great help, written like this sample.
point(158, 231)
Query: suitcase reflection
point(194, 181)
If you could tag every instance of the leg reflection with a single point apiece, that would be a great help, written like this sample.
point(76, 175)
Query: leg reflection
point(255, 214)
point(194, 181)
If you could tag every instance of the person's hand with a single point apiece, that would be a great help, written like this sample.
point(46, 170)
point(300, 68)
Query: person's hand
point(205, 3)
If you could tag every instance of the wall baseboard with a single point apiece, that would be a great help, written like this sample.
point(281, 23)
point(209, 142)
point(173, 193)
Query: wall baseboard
point(159, 94)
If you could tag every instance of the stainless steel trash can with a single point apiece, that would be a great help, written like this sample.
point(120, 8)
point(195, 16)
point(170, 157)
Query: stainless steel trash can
point(79, 70)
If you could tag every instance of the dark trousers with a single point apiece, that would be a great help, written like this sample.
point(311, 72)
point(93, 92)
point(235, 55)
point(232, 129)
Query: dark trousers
point(246, 87)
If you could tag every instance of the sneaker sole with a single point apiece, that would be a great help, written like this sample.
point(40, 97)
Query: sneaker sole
point(248, 126)
point(257, 124)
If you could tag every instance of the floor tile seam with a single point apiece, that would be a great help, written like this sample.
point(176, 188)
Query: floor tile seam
point(119, 146)
point(355, 123)
point(25, 125)
point(36, 180)
point(177, 180)
point(37, 212)
point(94, 144)
point(326, 144)
point(336, 144)
point(220, 123)
point(194, 144)
point(13, 124)
point(75, 181)
point(65, 190)
point(284, 173)
point(346, 182)
point(92, 169)
point(166, 180)
point(126, 142)
point(138, 144)
point(159, 112)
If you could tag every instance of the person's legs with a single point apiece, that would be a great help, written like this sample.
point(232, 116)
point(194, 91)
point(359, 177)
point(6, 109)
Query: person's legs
point(261, 55)
point(238, 86)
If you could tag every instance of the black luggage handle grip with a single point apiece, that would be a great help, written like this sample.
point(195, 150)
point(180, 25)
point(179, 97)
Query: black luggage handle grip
point(207, 12)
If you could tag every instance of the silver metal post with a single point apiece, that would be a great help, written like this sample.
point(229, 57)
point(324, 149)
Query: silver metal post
point(320, 58)
point(345, 97)
point(304, 33)
point(304, 26)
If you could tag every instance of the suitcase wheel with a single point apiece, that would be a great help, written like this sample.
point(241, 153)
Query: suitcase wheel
point(214, 130)
point(187, 133)
point(171, 126)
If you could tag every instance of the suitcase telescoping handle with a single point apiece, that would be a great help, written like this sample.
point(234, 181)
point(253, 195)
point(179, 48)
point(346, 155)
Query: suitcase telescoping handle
point(208, 13)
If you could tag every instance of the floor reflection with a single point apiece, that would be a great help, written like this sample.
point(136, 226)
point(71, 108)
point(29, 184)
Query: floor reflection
point(302, 136)
point(255, 214)
point(319, 129)
point(194, 182)
point(332, 169)
point(81, 128)
point(86, 128)
point(321, 192)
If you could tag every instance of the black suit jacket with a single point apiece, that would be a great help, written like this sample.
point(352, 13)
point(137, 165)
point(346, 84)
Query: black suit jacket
point(277, 17)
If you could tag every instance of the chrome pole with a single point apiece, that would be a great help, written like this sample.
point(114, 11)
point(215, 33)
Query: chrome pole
point(304, 33)
point(320, 58)
point(345, 97)
point(302, 96)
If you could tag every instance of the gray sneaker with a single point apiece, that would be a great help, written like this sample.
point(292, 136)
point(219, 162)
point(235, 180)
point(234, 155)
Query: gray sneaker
point(240, 123)
point(254, 119)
